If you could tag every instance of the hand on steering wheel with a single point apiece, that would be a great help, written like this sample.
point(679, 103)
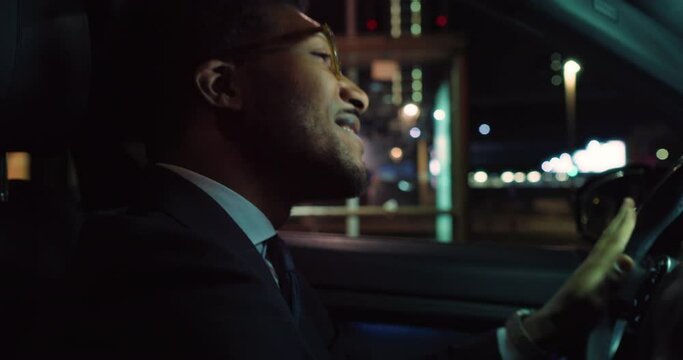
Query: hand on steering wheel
point(563, 324)
point(611, 289)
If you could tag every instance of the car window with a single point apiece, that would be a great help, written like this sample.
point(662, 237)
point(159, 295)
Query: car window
point(486, 119)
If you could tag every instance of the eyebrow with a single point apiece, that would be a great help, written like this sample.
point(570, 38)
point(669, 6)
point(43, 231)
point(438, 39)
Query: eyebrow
point(301, 34)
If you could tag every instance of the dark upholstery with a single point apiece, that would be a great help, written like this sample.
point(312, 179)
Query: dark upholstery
point(44, 72)
point(44, 86)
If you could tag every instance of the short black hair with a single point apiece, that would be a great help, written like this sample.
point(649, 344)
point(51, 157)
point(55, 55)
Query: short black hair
point(145, 53)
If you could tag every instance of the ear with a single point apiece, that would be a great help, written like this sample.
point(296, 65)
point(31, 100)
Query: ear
point(216, 80)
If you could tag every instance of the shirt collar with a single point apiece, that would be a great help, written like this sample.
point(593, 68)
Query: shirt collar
point(248, 217)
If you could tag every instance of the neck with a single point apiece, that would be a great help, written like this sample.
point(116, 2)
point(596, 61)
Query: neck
point(240, 179)
point(209, 155)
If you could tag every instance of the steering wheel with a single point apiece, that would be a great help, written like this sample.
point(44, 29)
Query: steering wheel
point(662, 206)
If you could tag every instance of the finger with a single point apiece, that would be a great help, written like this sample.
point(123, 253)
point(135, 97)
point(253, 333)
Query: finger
point(624, 264)
point(616, 222)
point(605, 243)
point(622, 234)
point(625, 230)
point(620, 269)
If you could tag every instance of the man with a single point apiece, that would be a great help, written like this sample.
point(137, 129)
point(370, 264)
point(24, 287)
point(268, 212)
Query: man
point(253, 115)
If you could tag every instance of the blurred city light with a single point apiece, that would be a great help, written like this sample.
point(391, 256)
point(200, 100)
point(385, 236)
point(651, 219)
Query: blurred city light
point(397, 86)
point(507, 177)
point(595, 158)
point(395, 10)
point(396, 153)
point(415, 132)
point(384, 70)
point(534, 176)
point(564, 164)
point(390, 205)
point(571, 67)
point(18, 165)
point(662, 154)
point(410, 110)
point(599, 157)
point(481, 176)
point(371, 24)
point(561, 177)
point(439, 114)
point(416, 85)
point(434, 167)
point(520, 177)
point(416, 17)
point(405, 186)
point(556, 80)
point(441, 21)
point(444, 181)
point(484, 129)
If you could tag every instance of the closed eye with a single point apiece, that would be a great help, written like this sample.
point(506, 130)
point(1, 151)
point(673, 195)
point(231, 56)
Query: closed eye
point(325, 56)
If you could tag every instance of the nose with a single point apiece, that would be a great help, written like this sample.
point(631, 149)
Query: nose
point(351, 93)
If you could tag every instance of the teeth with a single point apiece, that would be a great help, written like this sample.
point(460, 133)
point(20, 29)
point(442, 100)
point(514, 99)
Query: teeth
point(347, 128)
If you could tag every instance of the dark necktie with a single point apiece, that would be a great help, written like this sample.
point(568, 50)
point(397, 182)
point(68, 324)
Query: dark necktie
point(283, 263)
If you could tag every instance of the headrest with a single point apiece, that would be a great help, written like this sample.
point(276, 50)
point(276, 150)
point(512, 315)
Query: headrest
point(44, 72)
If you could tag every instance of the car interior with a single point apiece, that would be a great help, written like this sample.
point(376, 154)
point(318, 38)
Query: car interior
point(401, 298)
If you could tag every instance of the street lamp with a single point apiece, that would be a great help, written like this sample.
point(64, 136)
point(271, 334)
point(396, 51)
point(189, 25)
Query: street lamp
point(571, 68)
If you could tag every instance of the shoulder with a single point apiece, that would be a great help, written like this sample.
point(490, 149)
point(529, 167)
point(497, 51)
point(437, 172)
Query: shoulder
point(146, 281)
point(138, 243)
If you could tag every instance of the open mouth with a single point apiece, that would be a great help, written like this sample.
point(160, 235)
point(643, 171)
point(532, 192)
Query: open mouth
point(349, 122)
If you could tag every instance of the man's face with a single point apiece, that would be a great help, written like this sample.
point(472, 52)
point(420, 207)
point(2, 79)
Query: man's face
point(302, 118)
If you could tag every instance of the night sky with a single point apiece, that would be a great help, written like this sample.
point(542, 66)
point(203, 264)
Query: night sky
point(509, 70)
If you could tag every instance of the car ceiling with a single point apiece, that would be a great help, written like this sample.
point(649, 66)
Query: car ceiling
point(645, 33)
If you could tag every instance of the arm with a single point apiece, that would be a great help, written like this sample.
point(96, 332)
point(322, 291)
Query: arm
point(562, 325)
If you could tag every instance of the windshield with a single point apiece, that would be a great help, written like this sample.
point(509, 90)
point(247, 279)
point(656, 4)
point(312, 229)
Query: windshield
point(485, 119)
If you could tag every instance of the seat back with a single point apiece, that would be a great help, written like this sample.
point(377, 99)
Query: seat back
point(44, 85)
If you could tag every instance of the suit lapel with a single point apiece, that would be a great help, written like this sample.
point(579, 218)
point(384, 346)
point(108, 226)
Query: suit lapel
point(192, 207)
point(196, 210)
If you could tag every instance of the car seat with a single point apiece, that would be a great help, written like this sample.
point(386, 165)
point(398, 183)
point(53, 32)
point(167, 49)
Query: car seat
point(44, 85)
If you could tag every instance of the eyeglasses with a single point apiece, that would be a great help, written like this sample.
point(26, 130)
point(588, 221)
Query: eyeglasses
point(335, 65)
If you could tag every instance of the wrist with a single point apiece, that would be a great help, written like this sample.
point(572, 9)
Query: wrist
point(520, 339)
point(542, 331)
point(534, 334)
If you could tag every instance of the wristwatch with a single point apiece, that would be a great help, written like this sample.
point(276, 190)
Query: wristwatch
point(520, 339)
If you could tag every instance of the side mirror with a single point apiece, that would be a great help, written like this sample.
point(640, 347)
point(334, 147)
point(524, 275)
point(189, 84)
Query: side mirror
point(599, 199)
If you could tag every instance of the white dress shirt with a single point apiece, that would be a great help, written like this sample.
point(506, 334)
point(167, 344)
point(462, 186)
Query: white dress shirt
point(258, 229)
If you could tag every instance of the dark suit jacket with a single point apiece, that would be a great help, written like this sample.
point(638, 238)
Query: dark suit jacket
point(174, 275)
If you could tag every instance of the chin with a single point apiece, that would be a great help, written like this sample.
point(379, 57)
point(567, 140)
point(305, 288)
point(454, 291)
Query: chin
point(335, 185)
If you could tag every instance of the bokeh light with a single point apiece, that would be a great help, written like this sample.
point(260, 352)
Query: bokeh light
point(434, 167)
point(571, 67)
point(662, 154)
point(396, 153)
point(520, 177)
point(507, 177)
point(439, 114)
point(481, 176)
point(411, 110)
point(484, 129)
point(534, 176)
